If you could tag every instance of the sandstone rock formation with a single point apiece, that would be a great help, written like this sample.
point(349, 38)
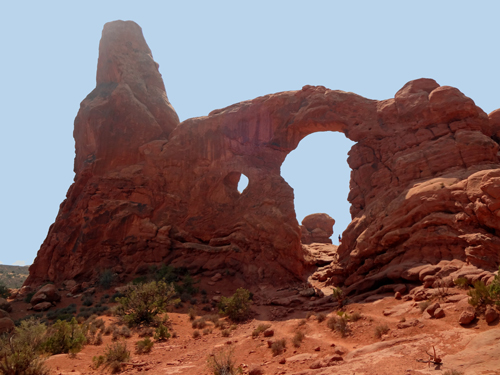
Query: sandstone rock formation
point(424, 189)
point(317, 228)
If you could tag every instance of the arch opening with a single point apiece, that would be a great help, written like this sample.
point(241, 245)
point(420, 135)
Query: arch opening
point(242, 183)
point(318, 172)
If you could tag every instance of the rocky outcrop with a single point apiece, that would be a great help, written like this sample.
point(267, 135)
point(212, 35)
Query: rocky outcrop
point(317, 228)
point(425, 181)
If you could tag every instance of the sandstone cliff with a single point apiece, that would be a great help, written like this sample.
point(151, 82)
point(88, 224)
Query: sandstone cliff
point(425, 181)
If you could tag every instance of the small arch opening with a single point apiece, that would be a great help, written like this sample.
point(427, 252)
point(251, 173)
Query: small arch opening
point(242, 183)
point(318, 172)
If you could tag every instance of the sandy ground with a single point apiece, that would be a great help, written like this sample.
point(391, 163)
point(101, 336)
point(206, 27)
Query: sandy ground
point(474, 349)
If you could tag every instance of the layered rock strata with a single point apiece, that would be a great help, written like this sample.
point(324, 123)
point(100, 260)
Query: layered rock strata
point(425, 181)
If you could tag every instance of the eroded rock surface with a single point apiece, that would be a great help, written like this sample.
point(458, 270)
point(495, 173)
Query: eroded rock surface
point(425, 181)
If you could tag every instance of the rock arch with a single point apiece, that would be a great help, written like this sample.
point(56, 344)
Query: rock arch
point(161, 196)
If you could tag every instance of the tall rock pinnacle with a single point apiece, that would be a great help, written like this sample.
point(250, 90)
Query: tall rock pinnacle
point(129, 106)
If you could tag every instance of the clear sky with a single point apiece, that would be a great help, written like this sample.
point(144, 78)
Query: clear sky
point(213, 54)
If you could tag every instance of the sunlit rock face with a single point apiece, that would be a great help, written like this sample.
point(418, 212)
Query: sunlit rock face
point(425, 183)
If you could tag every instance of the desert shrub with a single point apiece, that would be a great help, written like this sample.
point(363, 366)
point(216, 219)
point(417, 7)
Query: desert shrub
point(188, 286)
point(142, 303)
point(28, 297)
point(20, 353)
point(480, 295)
point(214, 318)
point(302, 322)
point(206, 331)
point(146, 332)
point(298, 338)
point(260, 328)
point(461, 283)
point(192, 314)
point(140, 280)
point(339, 324)
point(381, 330)
point(320, 317)
point(106, 279)
point(223, 363)
point(233, 327)
point(193, 301)
point(161, 333)
point(196, 334)
point(236, 307)
point(64, 337)
point(423, 305)
point(453, 372)
point(225, 333)
point(108, 330)
point(199, 323)
point(114, 357)
point(125, 332)
point(278, 346)
point(355, 316)
point(144, 346)
point(88, 301)
point(4, 291)
point(98, 339)
point(338, 294)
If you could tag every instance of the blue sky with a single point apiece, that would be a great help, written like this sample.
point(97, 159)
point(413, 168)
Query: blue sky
point(213, 54)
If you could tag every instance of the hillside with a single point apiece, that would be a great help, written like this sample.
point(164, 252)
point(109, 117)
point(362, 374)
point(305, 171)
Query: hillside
point(13, 276)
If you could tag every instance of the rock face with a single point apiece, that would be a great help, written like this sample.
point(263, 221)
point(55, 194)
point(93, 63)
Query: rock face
point(425, 181)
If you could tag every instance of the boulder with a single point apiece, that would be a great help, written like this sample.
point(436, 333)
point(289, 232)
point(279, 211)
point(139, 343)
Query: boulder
point(6, 325)
point(4, 305)
point(42, 306)
point(467, 316)
point(491, 314)
point(317, 228)
point(47, 293)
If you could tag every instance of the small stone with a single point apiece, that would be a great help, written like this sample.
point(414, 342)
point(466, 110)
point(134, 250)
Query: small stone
point(490, 314)
point(397, 295)
point(439, 313)
point(282, 361)
point(317, 349)
point(467, 316)
point(216, 277)
point(268, 333)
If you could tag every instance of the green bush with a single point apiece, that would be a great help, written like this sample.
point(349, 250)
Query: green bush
point(338, 294)
point(64, 337)
point(106, 279)
point(4, 291)
point(461, 283)
point(144, 346)
point(236, 307)
point(298, 338)
point(381, 330)
point(278, 346)
point(260, 328)
point(161, 333)
point(339, 324)
point(142, 303)
point(114, 357)
point(223, 363)
point(20, 354)
point(481, 295)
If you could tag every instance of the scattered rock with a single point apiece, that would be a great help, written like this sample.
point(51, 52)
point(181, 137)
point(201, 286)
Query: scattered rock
point(42, 306)
point(216, 277)
point(282, 361)
point(467, 316)
point(255, 370)
point(4, 305)
point(397, 295)
point(439, 313)
point(432, 308)
point(6, 325)
point(491, 314)
point(47, 293)
point(268, 333)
